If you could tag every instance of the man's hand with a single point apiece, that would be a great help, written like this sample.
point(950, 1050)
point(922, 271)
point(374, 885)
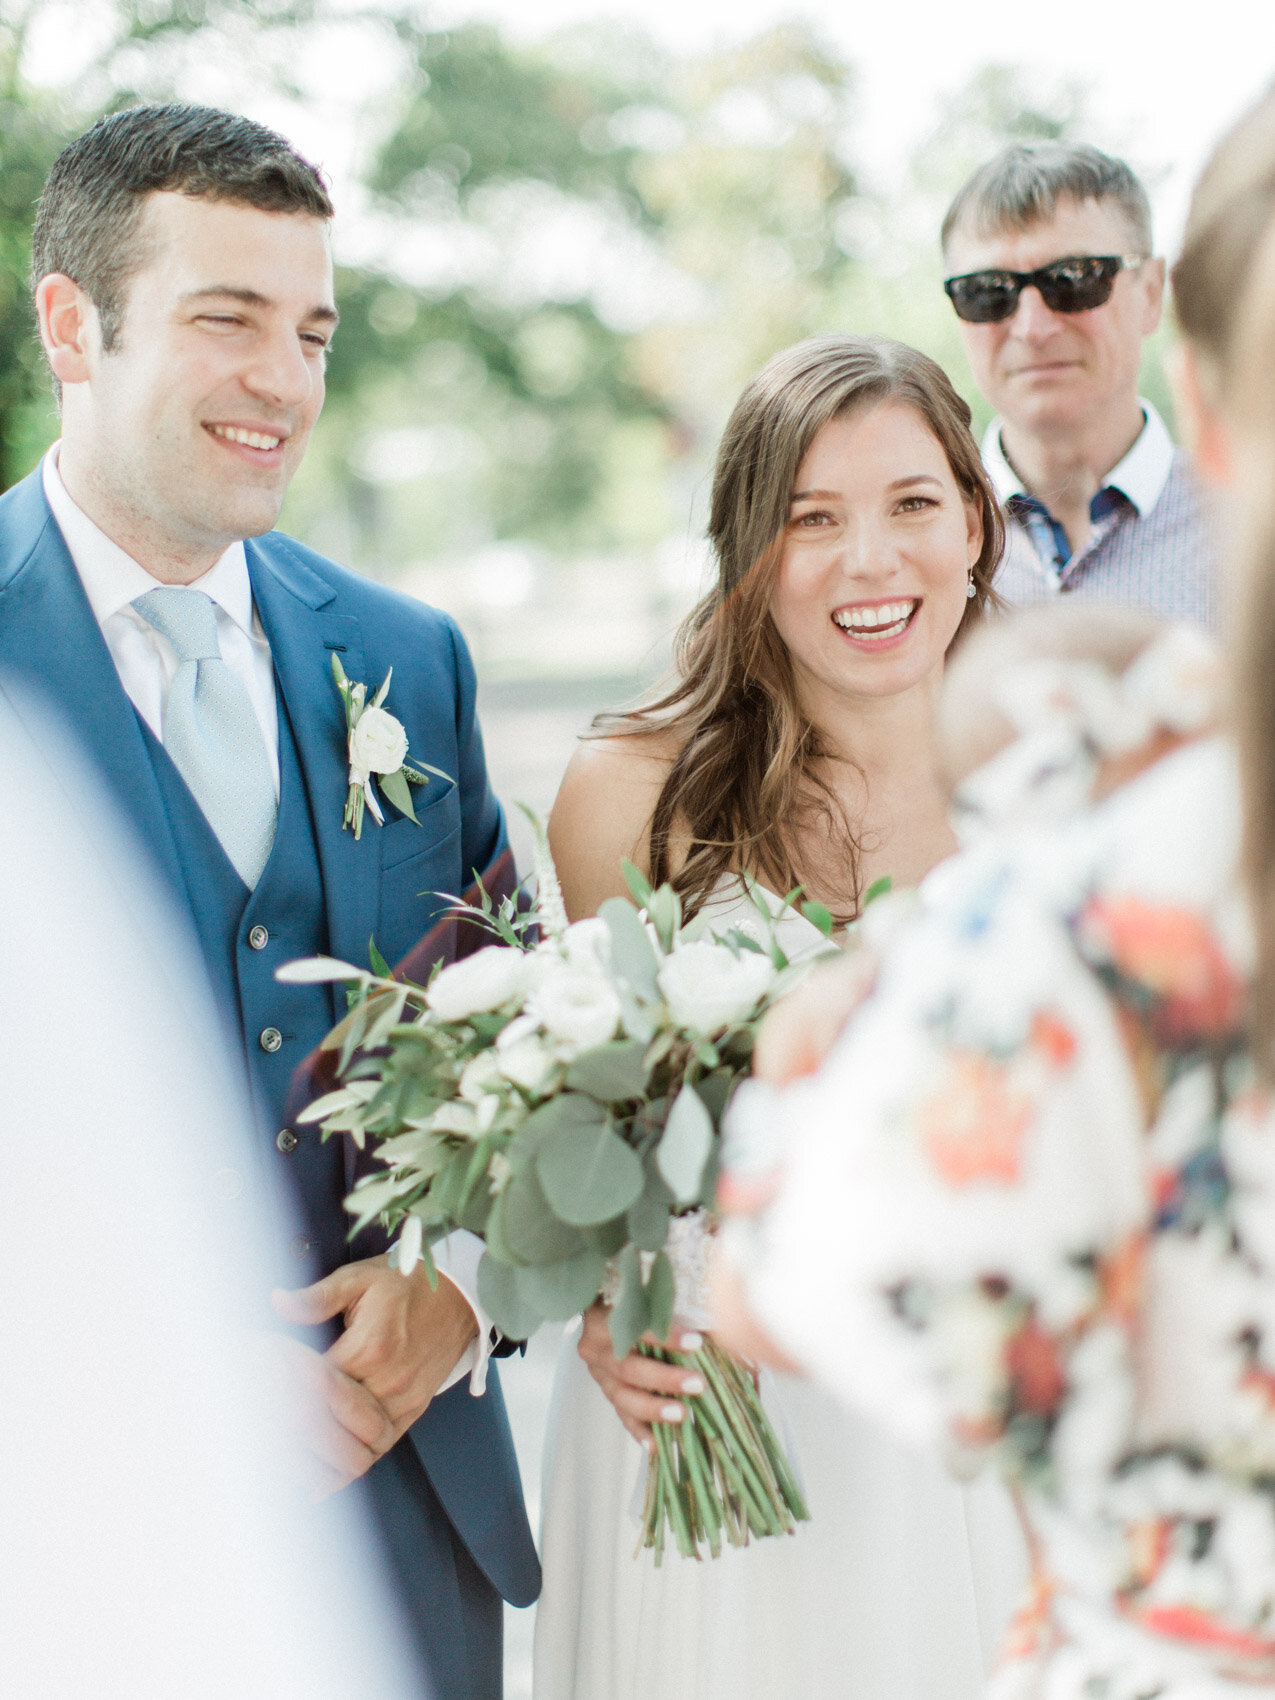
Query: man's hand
point(341, 1427)
point(642, 1390)
point(402, 1337)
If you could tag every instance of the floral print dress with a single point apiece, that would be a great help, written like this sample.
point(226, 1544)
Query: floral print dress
point(1027, 1217)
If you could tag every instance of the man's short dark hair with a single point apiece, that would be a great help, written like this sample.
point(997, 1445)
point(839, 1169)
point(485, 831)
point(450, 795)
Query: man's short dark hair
point(88, 220)
point(1023, 185)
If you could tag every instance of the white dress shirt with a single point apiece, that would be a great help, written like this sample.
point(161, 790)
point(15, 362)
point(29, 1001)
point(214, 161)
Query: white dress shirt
point(146, 663)
point(1141, 475)
point(144, 660)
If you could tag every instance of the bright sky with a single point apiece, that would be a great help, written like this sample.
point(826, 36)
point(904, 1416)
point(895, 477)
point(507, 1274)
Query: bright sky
point(1166, 76)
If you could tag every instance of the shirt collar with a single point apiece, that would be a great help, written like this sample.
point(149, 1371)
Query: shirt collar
point(113, 580)
point(1141, 475)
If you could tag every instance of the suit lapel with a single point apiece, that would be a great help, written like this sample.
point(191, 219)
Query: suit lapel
point(50, 640)
point(304, 631)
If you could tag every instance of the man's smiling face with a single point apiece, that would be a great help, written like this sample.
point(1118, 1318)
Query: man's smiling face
point(1046, 371)
point(187, 432)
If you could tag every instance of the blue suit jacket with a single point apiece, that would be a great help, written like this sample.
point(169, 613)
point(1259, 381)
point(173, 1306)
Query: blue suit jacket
point(372, 887)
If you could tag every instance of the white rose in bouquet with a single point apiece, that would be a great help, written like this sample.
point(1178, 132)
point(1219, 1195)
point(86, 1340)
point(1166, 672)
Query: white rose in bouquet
point(576, 1006)
point(480, 1075)
point(478, 983)
point(708, 987)
point(378, 743)
point(587, 945)
point(526, 1062)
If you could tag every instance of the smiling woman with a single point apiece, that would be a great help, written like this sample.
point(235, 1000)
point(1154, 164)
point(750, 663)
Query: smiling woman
point(856, 537)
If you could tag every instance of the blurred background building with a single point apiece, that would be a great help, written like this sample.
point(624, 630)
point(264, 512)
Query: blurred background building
point(564, 243)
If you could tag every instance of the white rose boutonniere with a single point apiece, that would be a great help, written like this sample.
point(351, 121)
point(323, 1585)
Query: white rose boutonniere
point(377, 744)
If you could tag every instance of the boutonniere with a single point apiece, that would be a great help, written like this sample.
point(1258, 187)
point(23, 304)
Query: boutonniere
point(377, 744)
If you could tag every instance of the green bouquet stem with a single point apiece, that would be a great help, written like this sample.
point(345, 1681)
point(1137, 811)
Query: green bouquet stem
point(721, 1470)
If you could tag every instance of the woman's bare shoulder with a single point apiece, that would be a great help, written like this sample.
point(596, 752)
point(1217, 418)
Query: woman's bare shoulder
point(602, 814)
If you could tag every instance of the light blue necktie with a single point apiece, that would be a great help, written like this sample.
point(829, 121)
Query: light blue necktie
point(211, 731)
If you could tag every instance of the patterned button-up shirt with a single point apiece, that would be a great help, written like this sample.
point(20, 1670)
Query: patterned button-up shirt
point(1154, 543)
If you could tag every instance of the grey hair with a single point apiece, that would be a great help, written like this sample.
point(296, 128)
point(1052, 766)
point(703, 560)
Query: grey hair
point(1023, 185)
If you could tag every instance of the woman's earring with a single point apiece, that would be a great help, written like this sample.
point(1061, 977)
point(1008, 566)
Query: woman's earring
point(971, 589)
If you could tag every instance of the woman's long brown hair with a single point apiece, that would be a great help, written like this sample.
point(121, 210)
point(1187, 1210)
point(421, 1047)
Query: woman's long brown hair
point(746, 786)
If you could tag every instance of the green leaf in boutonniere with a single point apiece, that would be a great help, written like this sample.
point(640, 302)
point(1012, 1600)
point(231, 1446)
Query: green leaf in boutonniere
point(377, 746)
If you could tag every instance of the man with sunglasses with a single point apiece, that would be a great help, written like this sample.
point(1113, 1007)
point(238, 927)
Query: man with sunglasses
point(1048, 255)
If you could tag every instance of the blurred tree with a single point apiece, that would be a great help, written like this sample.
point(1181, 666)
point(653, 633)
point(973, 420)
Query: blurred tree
point(477, 384)
point(33, 127)
point(595, 247)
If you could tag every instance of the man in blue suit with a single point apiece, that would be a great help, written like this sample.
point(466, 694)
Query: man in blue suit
point(185, 304)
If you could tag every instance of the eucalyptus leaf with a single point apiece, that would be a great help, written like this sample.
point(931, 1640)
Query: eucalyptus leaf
point(562, 1290)
point(648, 1216)
point(637, 883)
point(494, 1233)
point(612, 1072)
point(684, 1147)
point(477, 1211)
point(878, 888)
point(820, 917)
point(501, 1296)
point(589, 1174)
point(632, 954)
point(610, 1238)
point(664, 911)
point(629, 1313)
point(567, 1110)
point(714, 1091)
point(399, 792)
point(532, 1228)
point(351, 1032)
point(661, 1292)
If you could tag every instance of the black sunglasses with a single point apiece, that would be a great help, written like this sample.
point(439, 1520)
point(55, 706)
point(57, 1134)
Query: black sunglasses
point(1073, 285)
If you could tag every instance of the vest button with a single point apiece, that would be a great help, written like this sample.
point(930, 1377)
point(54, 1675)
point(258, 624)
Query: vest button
point(300, 1246)
point(287, 1140)
point(258, 938)
point(270, 1038)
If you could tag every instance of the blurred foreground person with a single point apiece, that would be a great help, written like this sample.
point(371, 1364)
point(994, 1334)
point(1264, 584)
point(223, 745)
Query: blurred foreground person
point(155, 1541)
point(1054, 279)
point(1027, 1204)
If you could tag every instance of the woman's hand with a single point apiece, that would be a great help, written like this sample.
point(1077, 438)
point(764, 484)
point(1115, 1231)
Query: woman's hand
point(643, 1390)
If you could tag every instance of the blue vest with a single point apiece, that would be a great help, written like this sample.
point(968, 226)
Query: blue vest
point(245, 936)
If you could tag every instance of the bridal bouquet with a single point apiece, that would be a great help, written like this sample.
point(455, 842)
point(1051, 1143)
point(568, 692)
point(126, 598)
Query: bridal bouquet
point(563, 1099)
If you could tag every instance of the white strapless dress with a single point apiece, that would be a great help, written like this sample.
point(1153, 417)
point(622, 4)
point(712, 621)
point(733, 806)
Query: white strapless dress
point(900, 1587)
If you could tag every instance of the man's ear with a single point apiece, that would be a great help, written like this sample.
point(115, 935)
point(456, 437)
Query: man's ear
point(1153, 280)
point(1200, 420)
point(69, 327)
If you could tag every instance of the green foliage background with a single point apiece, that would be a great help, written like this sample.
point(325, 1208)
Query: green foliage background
point(709, 210)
